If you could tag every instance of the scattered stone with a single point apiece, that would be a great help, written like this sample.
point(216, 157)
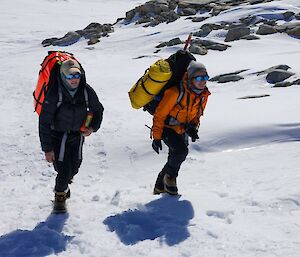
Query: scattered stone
point(209, 44)
point(217, 78)
point(202, 32)
point(250, 37)
point(278, 76)
point(198, 19)
point(253, 96)
point(297, 16)
point(187, 12)
point(217, 47)
point(295, 32)
point(288, 15)
point(296, 82)
point(283, 84)
point(252, 2)
point(265, 29)
point(93, 41)
point(172, 42)
point(229, 78)
point(277, 67)
point(196, 49)
point(163, 44)
point(236, 34)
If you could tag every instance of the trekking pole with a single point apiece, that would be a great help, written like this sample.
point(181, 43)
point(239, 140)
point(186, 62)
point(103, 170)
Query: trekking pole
point(188, 41)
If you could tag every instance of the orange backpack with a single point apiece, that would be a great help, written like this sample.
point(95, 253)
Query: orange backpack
point(53, 58)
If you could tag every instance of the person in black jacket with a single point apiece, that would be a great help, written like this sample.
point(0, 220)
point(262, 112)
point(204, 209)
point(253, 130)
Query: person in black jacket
point(66, 106)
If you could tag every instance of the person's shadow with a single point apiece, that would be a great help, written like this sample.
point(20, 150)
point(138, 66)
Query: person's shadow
point(166, 218)
point(45, 239)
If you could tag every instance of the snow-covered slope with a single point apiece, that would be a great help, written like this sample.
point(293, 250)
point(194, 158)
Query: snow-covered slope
point(239, 184)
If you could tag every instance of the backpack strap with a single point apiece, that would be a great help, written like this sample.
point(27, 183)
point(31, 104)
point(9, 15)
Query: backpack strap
point(86, 98)
point(181, 93)
point(171, 121)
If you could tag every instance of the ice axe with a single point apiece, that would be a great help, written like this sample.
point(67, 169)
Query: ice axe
point(188, 41)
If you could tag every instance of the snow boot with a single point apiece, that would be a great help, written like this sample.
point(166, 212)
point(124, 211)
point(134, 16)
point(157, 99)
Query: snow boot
point(59, 204)
point(159, 187)
point(170, 185)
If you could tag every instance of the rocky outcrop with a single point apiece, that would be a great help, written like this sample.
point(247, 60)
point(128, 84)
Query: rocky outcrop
point(92, 33)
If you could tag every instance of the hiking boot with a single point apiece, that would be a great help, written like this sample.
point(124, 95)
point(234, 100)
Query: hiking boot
point(170, 185)
point(159, 187)
point(59, 204)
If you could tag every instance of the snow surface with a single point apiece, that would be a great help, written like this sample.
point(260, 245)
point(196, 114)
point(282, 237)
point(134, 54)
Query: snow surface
point(239, 184)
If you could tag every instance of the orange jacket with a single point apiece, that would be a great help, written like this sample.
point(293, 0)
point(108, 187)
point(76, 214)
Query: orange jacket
point(188, 110)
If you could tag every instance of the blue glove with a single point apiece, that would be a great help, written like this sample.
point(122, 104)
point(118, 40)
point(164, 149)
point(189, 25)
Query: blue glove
point(156, 145)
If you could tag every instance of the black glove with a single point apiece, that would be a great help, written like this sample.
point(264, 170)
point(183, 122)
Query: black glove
point(192, 132)
point(156, 145)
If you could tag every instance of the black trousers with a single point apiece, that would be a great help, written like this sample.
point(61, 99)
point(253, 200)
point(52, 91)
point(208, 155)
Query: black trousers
point(68, 157)
point(178, 150)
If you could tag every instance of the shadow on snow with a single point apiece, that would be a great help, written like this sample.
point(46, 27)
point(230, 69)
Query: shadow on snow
point(250, 137)
point(45, 239)
point(166, 218)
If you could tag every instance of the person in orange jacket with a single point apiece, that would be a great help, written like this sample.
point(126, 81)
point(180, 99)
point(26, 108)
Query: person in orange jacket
point(176, 118)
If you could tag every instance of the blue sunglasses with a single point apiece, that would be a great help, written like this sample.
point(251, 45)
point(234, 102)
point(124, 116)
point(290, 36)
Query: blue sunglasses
point(201, 78)
point(73, 76)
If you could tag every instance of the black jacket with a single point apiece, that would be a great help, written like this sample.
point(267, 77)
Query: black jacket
point(71, 113)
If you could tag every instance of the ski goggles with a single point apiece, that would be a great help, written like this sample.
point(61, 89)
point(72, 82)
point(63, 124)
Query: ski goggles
point(201, 78)
point(73, 76)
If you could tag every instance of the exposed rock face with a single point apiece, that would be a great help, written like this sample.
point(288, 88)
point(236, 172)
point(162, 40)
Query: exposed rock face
point(278, 76)
point(92, 32)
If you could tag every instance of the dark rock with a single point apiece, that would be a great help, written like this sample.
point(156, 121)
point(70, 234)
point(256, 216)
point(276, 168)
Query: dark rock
point(163, 44)
point(252, 2)
point(278, 76)
point(271, 23)
point(296, 82)
point(250, 37)
point(216, 78)
point(277, 67)
point(199, 19)
point(283, 84)
point(70, 38)
point(171, 16)
point(213, 26)
point(218, 47)
point(288, 15)
point(144, 20)
point(93, 41)
point(202, 32)
point(49, 41)
point(253, 96)
point(187, 12)
point(297, 16)
point(130, 15)
point(236, 34)
point(174, 41)
point(206, 43)
point(295, 32)
point(229, 78)
point(196, 49)
point(266, 30)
